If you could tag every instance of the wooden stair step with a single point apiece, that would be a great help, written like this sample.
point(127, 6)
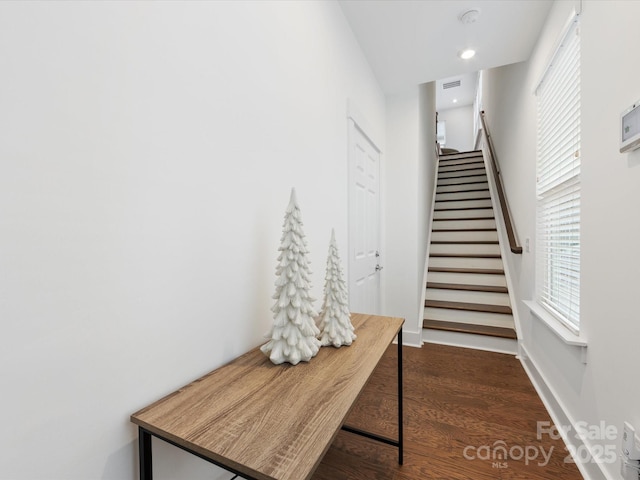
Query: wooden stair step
point(464, 230)
point(461, 208)
point(464, 175)
point(483, 271)
point(467, 288)
point(460, 155)
point(464, 242)
point(470, 307)
point(464, 191)
point(474, 182)
point(466, 255)
point(468, 166)
point(462, 218)
point(461, 183)
point(464, 199)
point(469, 328)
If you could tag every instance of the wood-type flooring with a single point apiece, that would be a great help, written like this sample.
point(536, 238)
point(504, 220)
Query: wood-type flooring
point(461, 406)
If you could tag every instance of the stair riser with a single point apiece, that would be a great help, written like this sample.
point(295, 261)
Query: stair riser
point(467, 278)
point(485, 298)
point(462, 188)
point(463, 204)
point(460, 195)
point(455, 262)
point(465, 174)
point(491, 236)
point(461, 181)
point(465, 248)
point(457, 214)
point(459, 167)
point(460, 156)
point(472, 318)
point(464, 224)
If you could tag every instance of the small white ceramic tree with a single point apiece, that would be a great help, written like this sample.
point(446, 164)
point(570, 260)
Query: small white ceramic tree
point(293, 336)
point(335, 320)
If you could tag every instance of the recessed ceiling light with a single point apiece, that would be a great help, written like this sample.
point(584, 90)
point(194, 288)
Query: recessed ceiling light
point(467, 54)
point(455, 100)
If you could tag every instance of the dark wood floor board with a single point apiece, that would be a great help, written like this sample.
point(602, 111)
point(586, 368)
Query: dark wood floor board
point(456, 401)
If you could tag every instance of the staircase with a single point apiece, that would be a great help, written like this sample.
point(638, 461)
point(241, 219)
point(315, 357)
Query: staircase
point(466, 284)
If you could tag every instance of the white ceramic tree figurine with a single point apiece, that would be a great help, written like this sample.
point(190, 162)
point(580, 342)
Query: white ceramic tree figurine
point(293, 336)
point(335, 320)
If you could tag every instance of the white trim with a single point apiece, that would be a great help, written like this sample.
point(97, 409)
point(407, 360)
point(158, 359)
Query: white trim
point(560, 416)
point(505, 247)
point(363, 125)
point(557, 327)
point(425, 271)
point(411, 339)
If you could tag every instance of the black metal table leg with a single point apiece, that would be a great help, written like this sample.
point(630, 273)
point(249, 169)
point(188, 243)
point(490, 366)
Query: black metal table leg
point(400, 417)
point(144, 453)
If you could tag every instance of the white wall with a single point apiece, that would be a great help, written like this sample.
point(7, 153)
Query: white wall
point(603, 389)
point(148, 151)
point(459, 126)
point(401, 203)
point(410, 173)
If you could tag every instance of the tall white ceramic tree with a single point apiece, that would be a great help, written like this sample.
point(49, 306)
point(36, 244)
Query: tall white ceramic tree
point(335, 320)
point(293, 336)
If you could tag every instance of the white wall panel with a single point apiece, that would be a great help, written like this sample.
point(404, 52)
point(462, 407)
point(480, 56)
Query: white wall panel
point(147, 154)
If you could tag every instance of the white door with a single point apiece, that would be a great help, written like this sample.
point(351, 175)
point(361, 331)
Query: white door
point(364, 223)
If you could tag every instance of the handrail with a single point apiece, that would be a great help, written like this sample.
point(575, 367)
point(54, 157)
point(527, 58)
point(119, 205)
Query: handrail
point(511, 234)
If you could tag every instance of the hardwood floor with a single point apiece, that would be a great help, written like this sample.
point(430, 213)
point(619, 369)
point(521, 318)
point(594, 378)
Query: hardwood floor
point(460, 406)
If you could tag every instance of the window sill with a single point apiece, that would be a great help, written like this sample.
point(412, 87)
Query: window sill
point(562, 332)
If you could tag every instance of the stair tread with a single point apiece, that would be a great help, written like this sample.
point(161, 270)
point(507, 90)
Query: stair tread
point(465, 175)
point(457, 219)
point(467, 287)
point(474, 307)
point(484, 271)
point(463, 191)
point(461, 184)
point(461, 208)
point(444, 157)
point(463, 199)
point(470, 328)
point(479, 164)
point(464, 242)
point(464, 230)
point(466, 255)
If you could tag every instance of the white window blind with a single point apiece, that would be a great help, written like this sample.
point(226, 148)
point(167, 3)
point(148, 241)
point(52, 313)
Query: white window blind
point(558, 182)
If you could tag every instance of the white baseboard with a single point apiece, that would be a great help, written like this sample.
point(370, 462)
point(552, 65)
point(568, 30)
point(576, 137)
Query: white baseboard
point(412, 339)
point(467, 340)
point(559, 415)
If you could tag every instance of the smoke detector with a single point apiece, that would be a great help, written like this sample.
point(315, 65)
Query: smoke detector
point(469, 17)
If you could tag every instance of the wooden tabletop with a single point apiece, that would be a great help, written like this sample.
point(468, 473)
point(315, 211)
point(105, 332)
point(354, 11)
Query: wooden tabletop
point(272, 421)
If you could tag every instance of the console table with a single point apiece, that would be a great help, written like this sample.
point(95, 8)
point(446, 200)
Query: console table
point(272, 422)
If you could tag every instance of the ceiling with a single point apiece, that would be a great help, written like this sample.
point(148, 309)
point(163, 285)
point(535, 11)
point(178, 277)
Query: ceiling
point(409, 42)
point(456, 91)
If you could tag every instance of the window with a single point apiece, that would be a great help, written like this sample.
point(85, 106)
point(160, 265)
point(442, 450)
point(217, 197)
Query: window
point(558, 182)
